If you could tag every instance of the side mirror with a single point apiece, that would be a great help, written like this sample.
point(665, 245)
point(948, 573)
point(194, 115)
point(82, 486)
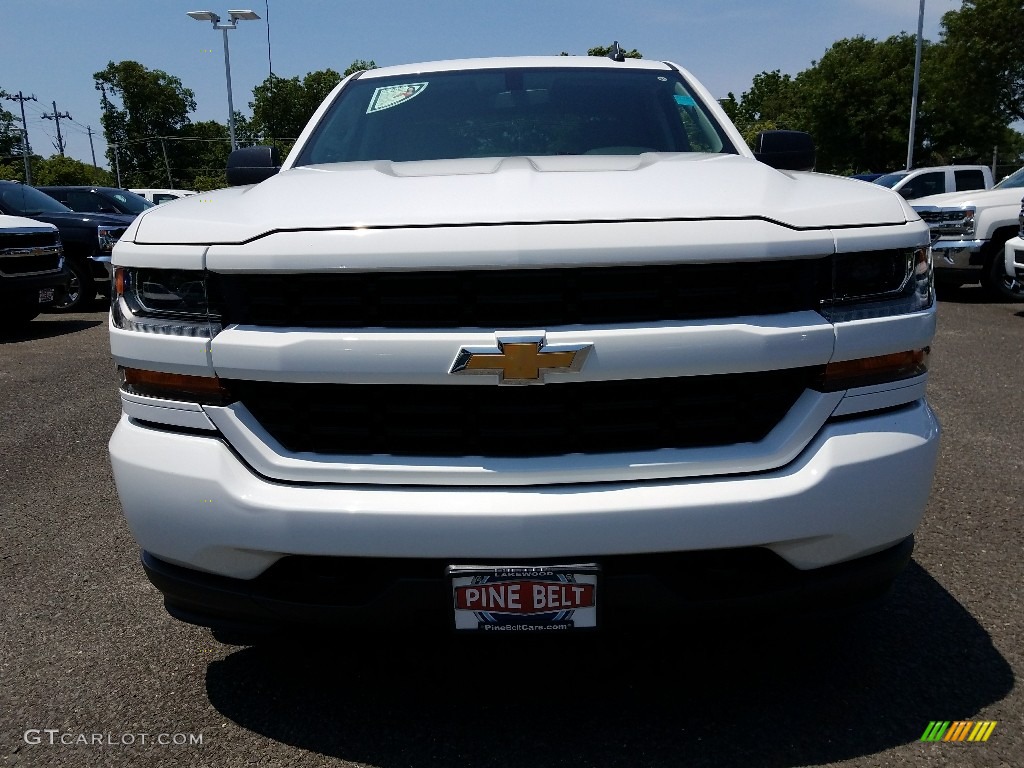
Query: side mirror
point(785, 150)
point(252, 165)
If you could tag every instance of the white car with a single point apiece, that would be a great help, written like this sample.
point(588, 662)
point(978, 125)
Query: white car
point(523, 345)
point(163, 195)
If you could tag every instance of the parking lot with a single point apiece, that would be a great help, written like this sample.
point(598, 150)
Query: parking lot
point(93, 672)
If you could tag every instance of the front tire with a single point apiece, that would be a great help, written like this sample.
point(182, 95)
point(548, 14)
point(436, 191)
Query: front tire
point(1001, 285)
point(81, 289)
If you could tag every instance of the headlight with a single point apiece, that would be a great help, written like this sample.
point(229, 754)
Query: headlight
point(963, 224)
point(167, 301)
point(949, 222)
point(108, 237)
point(880, 284)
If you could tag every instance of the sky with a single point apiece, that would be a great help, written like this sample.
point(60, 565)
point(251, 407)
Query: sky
point(50, 49)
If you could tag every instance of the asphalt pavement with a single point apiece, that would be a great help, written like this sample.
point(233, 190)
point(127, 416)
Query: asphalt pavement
point(94, 673)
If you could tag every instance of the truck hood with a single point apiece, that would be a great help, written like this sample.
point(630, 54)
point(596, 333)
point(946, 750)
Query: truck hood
point(74, 219)
point(20, 222)
point(1006, 196)
point(522, 190)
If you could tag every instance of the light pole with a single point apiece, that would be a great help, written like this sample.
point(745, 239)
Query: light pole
point(234, 18)
point(917, 81)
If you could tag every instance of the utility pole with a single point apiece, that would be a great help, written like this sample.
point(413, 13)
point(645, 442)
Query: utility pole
point(117, 165)
point(25, 151)
point(56, 116)
point(170, 181)
point(91, 147)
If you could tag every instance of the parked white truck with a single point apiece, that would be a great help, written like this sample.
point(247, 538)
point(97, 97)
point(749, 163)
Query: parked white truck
point(937, 180)
point(32, 274)
point(1014, 252)
point(522, 345)
point(969, 232)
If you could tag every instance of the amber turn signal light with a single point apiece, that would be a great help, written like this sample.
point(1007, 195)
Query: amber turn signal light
point(866, 371)
point(206, 390)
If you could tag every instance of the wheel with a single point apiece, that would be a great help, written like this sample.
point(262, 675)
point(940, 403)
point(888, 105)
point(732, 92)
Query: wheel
point(81, 289)
point(1001, 285)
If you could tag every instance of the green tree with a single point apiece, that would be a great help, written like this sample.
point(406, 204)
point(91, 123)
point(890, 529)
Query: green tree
point(856, 104)
point(10, 131)
point(604, 50)
point(773, 102)
point(856, 100)
point(281, 107)
point(141, 107)
point(977, 80)
point(982, 42)
point(59, 170)
point(203, 150)
point(359, 65)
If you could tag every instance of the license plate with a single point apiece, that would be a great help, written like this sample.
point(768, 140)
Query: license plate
point(45, 295)
point(531, 598)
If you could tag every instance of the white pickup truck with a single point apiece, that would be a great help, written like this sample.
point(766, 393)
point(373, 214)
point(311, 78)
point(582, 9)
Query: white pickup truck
point(32, 274)
point(937, 180)
point(1013, 254)
point(522, 345)
point(969, 233)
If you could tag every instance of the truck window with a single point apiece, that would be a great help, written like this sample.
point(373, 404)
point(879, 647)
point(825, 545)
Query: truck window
point(969, 179)
point(926, 184)
point(86, 202)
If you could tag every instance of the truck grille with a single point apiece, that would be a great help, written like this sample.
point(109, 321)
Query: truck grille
point(523, 298)
point(549, 420)
point(29, 252)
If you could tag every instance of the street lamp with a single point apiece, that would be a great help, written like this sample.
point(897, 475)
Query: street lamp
point(234, 18)
point(917, 82)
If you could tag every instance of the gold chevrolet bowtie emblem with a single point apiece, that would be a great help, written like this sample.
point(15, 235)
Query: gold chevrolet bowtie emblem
point(521, 360)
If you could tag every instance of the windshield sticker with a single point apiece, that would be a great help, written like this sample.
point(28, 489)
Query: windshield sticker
point(685, 101)
point(392, 95)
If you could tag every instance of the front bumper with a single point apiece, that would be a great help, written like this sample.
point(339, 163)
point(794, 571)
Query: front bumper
point(191, 502)
point(962, 255)
point(309, 593)
point(102, 271)
point(25, 289)
point(1014, 255)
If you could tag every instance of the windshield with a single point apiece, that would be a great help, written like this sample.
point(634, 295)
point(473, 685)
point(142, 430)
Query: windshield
point(129, 202)
point(512, 112)
point(1015, 179)
point(21, 200)
point(890, 180)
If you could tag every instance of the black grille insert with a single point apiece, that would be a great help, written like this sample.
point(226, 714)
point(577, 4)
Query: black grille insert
point(523, 298)
point(29, 251)
point(30, 238)
point(519, 421)
point(29, 264)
